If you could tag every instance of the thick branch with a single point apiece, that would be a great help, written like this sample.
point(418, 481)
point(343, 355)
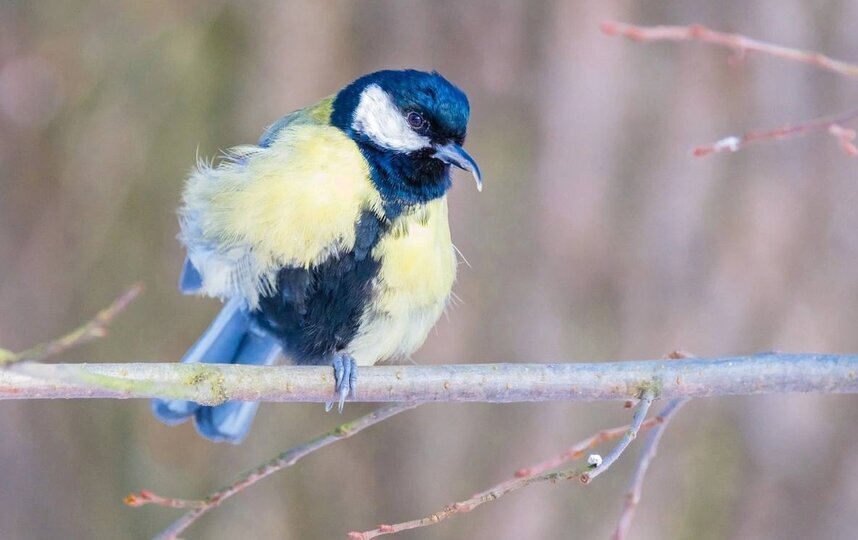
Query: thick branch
point(213, 383)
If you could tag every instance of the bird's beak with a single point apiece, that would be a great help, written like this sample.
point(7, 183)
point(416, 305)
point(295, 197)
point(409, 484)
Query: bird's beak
point(455, 155)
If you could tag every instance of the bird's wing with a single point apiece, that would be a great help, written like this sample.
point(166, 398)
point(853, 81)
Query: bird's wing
point(190, 280)
point(315, 114)
point(293, 200)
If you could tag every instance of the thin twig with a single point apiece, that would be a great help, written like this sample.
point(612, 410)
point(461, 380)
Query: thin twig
point(526, 476)
point(740, 45)
point(479, 499)
point(648, 452)
point(144, 497)
point(846, 138)
point(95, 328)
point(630, 435)
point(576, 452)
point(831, 124)
point(284, 460)
point(211, 384)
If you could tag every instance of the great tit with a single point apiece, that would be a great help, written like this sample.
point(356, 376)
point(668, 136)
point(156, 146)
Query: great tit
point(328, 240)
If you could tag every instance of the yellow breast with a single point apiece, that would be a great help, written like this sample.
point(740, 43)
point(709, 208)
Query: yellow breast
point(418, 265)
point(418, 268)
point(295, 202)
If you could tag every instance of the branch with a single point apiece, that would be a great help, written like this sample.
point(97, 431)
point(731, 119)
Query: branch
point(284, 460)
point(740, 45)
point(633, 496)
point(211, 384)
point(846, 138)
point(466, 506)
point(631, 434)
point(530, 475)
point(831, 124)
point(95, 328)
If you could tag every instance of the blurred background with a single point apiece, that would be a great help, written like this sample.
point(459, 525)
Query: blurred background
point(598, 237)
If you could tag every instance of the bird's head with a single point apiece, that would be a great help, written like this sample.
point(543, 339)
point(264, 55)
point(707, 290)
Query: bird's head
point(410, 125)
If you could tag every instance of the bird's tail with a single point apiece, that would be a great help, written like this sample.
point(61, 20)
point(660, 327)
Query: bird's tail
point(230, 339)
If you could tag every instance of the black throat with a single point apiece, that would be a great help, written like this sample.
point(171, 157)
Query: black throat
point(405, 180)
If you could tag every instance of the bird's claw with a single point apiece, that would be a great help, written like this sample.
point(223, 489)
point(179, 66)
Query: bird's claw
point(345, 379)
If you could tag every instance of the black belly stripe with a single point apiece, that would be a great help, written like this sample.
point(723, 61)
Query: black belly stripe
point(316, 312)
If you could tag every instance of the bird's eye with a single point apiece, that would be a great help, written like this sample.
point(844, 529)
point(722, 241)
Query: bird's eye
point(416, 120)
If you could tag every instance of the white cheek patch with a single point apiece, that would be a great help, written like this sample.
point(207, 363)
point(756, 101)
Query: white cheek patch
point(377, 117)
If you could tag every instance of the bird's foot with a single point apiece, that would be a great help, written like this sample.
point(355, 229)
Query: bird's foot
point(345, 378)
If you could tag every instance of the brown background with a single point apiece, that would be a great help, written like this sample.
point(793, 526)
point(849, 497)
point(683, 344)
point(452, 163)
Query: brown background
point(597, 237)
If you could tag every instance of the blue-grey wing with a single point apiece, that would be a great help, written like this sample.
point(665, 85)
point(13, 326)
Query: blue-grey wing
point(271, 132)
point(190, 282)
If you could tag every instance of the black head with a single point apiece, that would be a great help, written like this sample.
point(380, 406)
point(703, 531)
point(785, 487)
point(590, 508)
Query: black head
point(410, 126)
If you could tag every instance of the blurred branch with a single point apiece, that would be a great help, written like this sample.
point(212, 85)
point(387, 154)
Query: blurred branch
point(831, 124)
point(95, 328)
point(741, 45)
point(535, 473)
point(284, 460)
point(846, 138)
point(650, 448)
point(211, 384)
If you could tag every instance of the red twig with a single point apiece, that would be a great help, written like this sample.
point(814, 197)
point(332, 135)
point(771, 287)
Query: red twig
point(144, 497)
point(95, 328)
point(577, 451)
point(466, 506)
point(741, 45)
point(830, 124)
point(845, 137)
point(528, 475)
point(284, 460)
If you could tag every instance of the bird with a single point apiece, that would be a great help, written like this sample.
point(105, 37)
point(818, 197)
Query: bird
point(328, 240)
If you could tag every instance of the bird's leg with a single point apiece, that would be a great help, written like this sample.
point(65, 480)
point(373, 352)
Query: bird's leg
point(345, 378)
